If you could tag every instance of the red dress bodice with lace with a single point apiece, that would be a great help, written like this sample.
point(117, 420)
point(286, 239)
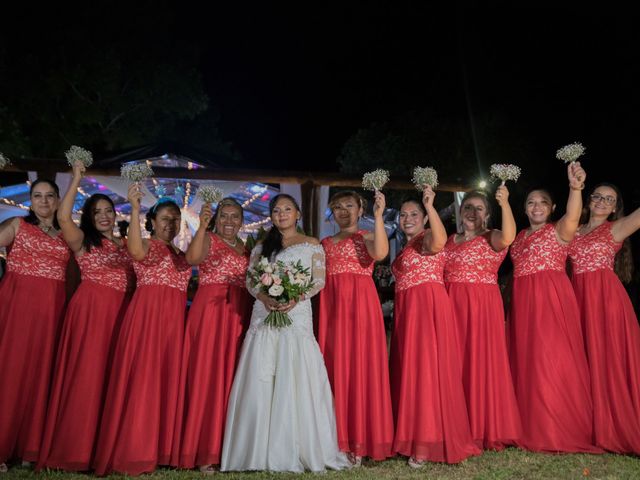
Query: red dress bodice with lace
point(538, 252)
point(108, 265)
point(414, 267)
point(595, 250)
point(162, 266)
point(473, 261)
point(35, 253)
point(349, 255)
point(223, 264)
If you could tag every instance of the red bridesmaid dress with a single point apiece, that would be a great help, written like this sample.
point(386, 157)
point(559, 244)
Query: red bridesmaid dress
point(426, 387)
point(218, 319)
point(82, 363)
point(352, 338)
point(137, 428)
point(471, 276)
point(32, 298)
point(548, 359)
point(612, 337)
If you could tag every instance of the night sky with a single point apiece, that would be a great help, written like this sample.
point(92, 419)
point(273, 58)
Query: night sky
point(292, 82)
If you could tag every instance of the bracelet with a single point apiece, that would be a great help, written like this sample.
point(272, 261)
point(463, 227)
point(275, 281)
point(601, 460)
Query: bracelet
point(581, 187)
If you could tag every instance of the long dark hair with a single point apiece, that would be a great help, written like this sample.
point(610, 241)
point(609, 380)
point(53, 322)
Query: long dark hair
point(32, 218)
point(92, 237)
point(153, 212)
point(624, 259)
point(225, 202)
point(273, 241)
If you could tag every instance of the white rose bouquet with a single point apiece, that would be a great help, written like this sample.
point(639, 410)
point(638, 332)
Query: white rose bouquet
point(281, 281)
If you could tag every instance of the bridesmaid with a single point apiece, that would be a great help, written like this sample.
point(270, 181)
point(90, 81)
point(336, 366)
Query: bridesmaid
point(471, 276)
point(548, 360)
point(216, 325)
point(92, 317)
point(610, 326)
point(137, 428)
point(426, 387)
point(31, 312)
point(351, 331)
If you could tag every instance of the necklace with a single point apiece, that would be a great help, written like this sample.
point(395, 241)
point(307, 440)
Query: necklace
point(231, 244)
point(45, 228)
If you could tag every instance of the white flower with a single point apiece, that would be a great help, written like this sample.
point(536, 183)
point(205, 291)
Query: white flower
point(4, 161)
point(570, 153)
point(264, 261)
point(276, 290)
point(375, 180)
point(268, 268)
point(425, 176)
point(136, 172)
point(299, 278)
point(209, 194)
point(76, 153)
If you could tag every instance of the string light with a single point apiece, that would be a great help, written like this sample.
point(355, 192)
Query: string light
point(186, 195)
point(254, 198)
point(253, 227)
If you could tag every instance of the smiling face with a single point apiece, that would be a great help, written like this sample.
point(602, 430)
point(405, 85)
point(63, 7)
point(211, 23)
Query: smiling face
point(538, 207)
point(229, 221)
point(104, 216)
point(603, 202)
point(284, 214)
point(412, 219)
point(166, 225)
point(346, 211)
point(44, 200)
point(474, 214)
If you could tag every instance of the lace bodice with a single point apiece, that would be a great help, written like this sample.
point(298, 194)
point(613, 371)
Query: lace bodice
point(414, 266)
point(538, 252)
point(223, 264)
point(473, 261)
point(108, 265)
point(349, 255)
point(595, 250)
point(162, 266)
point(35, 253)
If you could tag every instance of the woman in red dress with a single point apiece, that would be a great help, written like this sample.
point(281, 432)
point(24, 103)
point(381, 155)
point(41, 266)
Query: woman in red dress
point(137, 428)
point(351, 333)
point(609, 323)
point(471, 275)
point(216, 325)
point(548, 360)
point(426, 386)
point(97, 307)
point(31, 312)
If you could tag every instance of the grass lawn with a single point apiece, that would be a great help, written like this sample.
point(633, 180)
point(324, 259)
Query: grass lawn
point(509, 464)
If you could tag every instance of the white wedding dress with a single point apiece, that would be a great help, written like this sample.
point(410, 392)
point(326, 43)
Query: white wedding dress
point(280, 415)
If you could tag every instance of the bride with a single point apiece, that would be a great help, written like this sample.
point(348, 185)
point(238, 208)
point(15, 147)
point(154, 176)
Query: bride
point(280, 415)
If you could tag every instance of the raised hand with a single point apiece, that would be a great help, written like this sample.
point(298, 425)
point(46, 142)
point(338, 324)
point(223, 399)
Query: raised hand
point(78, 170)
point(502, 195)
point(379, 204)
point(134, 195)
point(428, 195)
point(576, 175)
point(205, 216)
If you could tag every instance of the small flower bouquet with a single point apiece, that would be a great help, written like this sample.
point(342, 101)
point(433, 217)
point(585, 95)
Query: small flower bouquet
point(570, 153)
point(283, 282)
point(76, 153)
point(136, 172)
point(4, 161)
point(425, 176)
point(375, 180)
point(209, 194)
point(505, 171)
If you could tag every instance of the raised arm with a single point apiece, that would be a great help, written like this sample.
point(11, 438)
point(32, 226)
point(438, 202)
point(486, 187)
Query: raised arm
point(568, 224)
point(377, 243)
point(8, 231)
point(137, 247)
point(436, 236)
point(501, 239)
point(626, 226)
point(199, 246)
point(70, 231)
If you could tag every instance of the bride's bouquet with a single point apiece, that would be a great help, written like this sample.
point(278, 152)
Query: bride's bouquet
point(281, 281)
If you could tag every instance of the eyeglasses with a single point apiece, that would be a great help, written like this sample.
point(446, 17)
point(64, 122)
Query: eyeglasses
point(608, 200)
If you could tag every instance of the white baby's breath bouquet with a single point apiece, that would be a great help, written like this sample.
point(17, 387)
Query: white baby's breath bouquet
point(423, 176)
point(375, 180)
point(570, 153)
point(209, 194)
point(4, 161)
point(136, 172)
point(505, 171)
point(76, 153)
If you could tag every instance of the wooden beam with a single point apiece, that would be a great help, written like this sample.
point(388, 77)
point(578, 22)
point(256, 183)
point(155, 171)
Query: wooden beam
point(334, 179)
